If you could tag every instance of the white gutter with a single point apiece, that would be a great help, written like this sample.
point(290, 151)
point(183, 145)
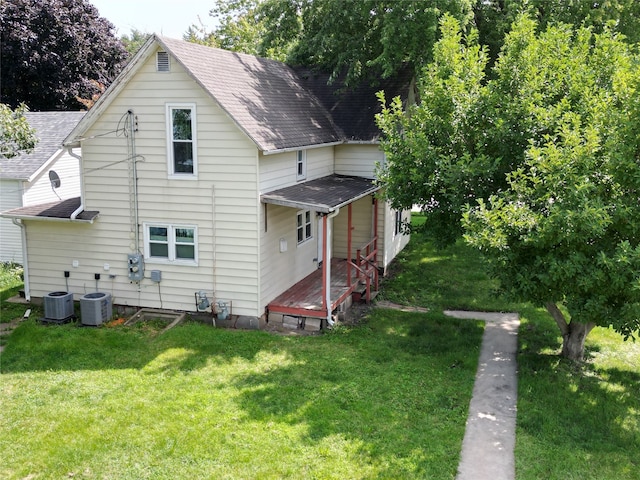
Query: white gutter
point(327, 260)
point(302, 147)
point(80, 209)
point(44, 219)
point(25, 259)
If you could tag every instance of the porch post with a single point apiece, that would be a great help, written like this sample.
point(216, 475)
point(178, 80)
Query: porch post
point(349, 257)
point(375, 236)
point(325, 262)
point(328, 222)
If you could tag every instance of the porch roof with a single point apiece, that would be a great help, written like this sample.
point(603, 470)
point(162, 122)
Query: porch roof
point(54, 211)
point(323, 195)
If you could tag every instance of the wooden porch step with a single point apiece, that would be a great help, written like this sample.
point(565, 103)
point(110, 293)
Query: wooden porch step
point(360, 293)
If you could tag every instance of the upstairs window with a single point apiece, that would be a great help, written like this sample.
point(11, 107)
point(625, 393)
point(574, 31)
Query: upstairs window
point(304, 226)
point(181, 140)
point(301, 165)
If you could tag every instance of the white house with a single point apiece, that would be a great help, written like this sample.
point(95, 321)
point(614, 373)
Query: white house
point(49, 173)
point(205, 170)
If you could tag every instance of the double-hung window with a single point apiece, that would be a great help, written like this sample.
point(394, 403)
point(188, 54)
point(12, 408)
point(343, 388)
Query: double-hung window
point(167, 243)
point(304, 226)
point(301, 165)
point(181, 140)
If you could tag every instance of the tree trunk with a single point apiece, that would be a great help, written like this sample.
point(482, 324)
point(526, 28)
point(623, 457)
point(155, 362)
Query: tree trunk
point(573, 334)
point(573, 342)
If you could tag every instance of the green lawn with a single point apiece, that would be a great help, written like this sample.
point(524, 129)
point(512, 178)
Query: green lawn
point(385, 399)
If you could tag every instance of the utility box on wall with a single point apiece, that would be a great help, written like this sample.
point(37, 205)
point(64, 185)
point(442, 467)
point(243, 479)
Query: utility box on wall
point(136, 267)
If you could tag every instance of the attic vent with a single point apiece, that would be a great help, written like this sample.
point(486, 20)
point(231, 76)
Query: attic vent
point(162, 61)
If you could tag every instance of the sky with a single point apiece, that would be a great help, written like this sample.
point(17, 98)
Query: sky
point(170, 18)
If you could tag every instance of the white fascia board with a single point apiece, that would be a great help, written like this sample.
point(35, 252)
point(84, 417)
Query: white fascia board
point(76, 136)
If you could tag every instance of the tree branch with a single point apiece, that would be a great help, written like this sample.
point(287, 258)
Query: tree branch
point(559, 317)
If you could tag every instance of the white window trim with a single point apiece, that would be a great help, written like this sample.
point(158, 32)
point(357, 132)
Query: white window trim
point(171, 229)
point(194, 141)
point(301, 158)
point(304, 225)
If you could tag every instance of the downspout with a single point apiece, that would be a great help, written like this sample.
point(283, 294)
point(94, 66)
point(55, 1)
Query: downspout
point(327, 260)
point(25, 258)
point(80, 209)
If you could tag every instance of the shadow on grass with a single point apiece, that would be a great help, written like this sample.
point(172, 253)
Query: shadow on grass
point(400, 384)
point(574, 421)
point(397, 386)
point(451, 278)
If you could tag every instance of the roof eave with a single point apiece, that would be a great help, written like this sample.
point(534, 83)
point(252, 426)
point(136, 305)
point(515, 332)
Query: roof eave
point(76, 136)
point(45, 165)
point(49, 219)
point(302, 147)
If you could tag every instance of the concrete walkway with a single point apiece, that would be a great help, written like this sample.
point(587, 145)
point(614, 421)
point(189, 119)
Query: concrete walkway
point(489, 439)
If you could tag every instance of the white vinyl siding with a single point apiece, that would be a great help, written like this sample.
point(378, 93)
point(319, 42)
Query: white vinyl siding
point(10, 236)
point(68, 170)
point(282, 269)
point(279, 170)
point(390, 244)
point(362, 223)
point(222, 203)
point(359, 160)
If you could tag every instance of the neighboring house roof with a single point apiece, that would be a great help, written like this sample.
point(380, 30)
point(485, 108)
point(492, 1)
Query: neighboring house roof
point(324, 194)
point(62, 210)
point(51, 130)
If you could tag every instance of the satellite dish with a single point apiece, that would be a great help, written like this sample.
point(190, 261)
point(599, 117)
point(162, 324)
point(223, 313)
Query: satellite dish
point(54, 178)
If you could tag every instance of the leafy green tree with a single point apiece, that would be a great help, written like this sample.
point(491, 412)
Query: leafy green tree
point(16, 135)
point(53, 51)
point(134, 40)
point(240, 28)
point(438, 155)
point(544, 156)
point(361, 39)
point(493, 18)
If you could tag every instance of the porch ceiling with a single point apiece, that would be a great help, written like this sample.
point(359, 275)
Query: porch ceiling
point(323, 195)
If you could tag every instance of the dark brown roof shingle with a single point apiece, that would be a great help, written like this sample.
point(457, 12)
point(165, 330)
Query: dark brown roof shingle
point(264, 97)
point(323, 194)
point(52, 210)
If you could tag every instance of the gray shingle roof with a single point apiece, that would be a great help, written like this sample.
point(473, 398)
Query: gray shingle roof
point(354, 108)
point(51, 129)
point(266, 98)
point(52, 210)
point(323, 194)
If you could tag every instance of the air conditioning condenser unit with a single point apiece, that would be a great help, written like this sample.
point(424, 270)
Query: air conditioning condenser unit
point(95, 308)
point(58, 305)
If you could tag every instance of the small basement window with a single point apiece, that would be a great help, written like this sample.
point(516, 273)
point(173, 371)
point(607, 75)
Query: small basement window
point(162, 62)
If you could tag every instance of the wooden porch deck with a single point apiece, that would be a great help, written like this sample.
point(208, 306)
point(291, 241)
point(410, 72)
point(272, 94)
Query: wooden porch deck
point(305, 297)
